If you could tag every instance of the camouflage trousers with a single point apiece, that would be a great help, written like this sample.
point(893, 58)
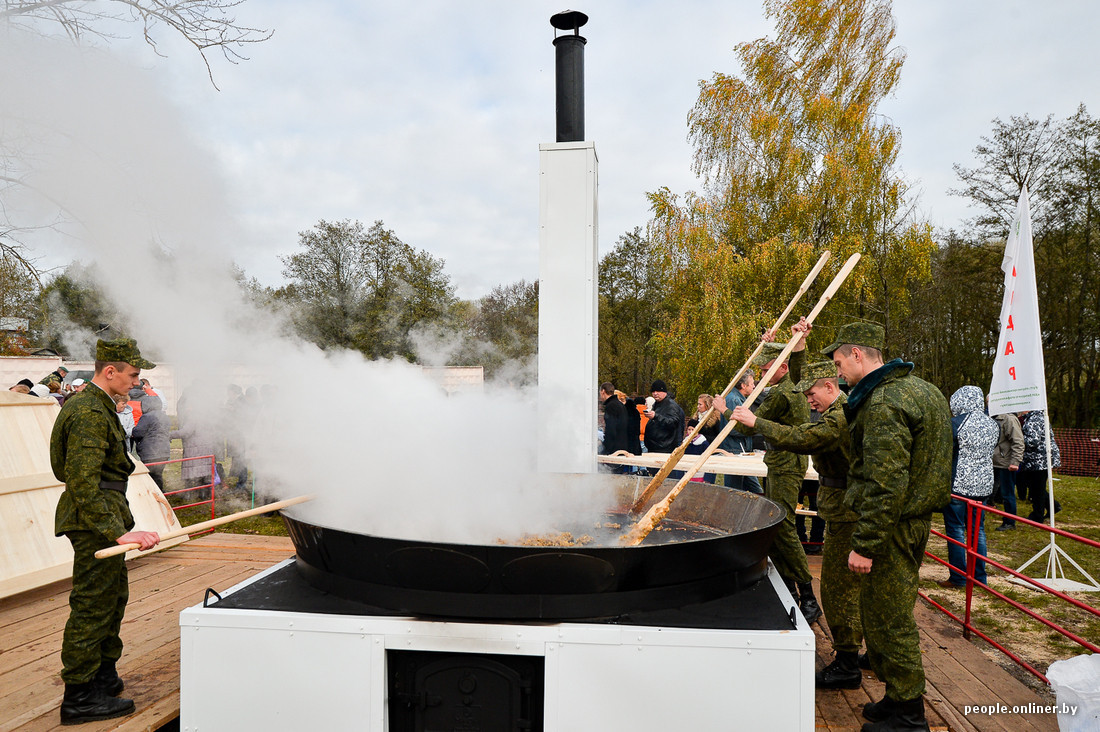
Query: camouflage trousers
point(886, 599)
point(96, 606)
point(840, 587)
point(787, 553)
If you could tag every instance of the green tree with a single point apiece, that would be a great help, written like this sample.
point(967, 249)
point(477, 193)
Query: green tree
point(501, 333)
point(18, 300)
point(363, 289)
point(1059, 162)
point(1022, 151)
point(794, 156)
point(1068, 261)
point(955, 337)
point(633, 282)
point(18, 289)
point(74, 311)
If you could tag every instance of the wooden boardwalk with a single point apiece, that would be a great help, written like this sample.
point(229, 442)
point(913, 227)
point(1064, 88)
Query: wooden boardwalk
point(161, 585)
point(957, 674)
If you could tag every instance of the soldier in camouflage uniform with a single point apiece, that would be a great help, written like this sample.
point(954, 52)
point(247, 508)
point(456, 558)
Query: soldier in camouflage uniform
point(899, 473)
point(785, 473)
point(827, 440)
point(88, 454)
point(55, 377)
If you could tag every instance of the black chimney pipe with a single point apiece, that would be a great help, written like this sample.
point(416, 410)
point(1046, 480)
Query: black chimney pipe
point(569, 77)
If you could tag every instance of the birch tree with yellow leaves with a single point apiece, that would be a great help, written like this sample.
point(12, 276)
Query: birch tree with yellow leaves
point(794, 158)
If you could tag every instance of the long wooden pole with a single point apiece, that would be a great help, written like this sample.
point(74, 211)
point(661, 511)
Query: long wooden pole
point(659, 510)
point(204, 525)
point(678, 453)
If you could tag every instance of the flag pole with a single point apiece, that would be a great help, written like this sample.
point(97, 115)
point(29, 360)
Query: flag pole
point(1027, 387)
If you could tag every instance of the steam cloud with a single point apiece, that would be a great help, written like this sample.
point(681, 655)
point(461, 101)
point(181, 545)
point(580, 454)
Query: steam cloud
point(379, 443)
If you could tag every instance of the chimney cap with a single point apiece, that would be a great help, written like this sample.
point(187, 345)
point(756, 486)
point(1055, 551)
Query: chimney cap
point(569, 20)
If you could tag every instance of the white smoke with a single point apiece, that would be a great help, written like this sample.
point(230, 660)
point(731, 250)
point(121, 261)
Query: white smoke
point(384, 449)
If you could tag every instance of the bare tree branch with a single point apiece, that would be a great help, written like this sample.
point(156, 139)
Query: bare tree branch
point(205, 24)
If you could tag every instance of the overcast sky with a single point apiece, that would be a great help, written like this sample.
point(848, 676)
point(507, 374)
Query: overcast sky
point(428, 115)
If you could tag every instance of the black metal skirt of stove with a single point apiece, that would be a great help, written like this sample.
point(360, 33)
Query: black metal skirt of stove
point(487, 606)
point(545, 582)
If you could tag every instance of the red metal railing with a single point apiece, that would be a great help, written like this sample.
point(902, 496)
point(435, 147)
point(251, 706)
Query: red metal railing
point(210, 485)
point(974, 512)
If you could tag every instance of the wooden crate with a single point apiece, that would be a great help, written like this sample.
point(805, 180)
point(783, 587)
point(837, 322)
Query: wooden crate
point(30, 555)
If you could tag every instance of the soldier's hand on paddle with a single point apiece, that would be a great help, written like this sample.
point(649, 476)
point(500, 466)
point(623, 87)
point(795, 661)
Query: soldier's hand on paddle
point(744, 416)
point(718, 404)
point(859, 563)
point(799, 331)
point(147, 539)
point(767, 336)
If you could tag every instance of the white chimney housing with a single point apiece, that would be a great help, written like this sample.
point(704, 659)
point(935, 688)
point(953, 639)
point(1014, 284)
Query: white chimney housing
point(568, 307)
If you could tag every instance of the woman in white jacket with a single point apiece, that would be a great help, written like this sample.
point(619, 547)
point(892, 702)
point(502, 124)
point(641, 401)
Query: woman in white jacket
point(976, 436)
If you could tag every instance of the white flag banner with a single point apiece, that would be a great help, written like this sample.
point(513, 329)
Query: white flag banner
point(1019, 383)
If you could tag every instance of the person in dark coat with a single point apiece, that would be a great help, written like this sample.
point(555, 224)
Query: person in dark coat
point(1032, 476)
point(616, 428)
point(633, 422)
point(665, 430)
point(151, 437)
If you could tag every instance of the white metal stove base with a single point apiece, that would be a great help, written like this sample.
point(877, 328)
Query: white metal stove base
point(275, 670)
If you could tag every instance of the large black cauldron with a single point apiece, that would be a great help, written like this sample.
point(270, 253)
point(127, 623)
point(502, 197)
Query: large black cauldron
point(714, 542)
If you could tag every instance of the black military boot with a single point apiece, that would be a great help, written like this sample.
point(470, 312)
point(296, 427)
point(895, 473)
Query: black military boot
point(807, 603)
point(864, 661)
point(107, 679)
point(880, 710)
point(906, 716)
point(87, 703)
point(842, 673)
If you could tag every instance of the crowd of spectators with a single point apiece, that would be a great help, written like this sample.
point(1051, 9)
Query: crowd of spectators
point(209, 423)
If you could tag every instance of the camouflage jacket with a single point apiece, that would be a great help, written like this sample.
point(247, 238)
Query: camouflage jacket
point(786, 407)
point(900, 459)
point(795, 362)
point(828, 442)
point(87, 446)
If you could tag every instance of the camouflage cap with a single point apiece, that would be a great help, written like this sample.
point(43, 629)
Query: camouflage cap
point(770, 352)
point(122, 349)
point(868, 335)
point(811, 373)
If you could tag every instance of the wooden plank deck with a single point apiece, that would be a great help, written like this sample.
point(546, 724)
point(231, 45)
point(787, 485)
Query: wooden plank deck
point(957, 674)
point(161, 585)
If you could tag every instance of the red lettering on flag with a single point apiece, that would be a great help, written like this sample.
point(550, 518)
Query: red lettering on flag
point(1010, 325)
point(1009, 349)
point(1012, 372)
point(1014, 270)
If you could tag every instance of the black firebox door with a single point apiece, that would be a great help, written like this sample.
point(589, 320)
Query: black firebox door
point(465, 692)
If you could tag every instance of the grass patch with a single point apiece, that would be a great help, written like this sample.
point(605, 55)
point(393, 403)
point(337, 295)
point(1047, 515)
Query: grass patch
point(229, 498)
